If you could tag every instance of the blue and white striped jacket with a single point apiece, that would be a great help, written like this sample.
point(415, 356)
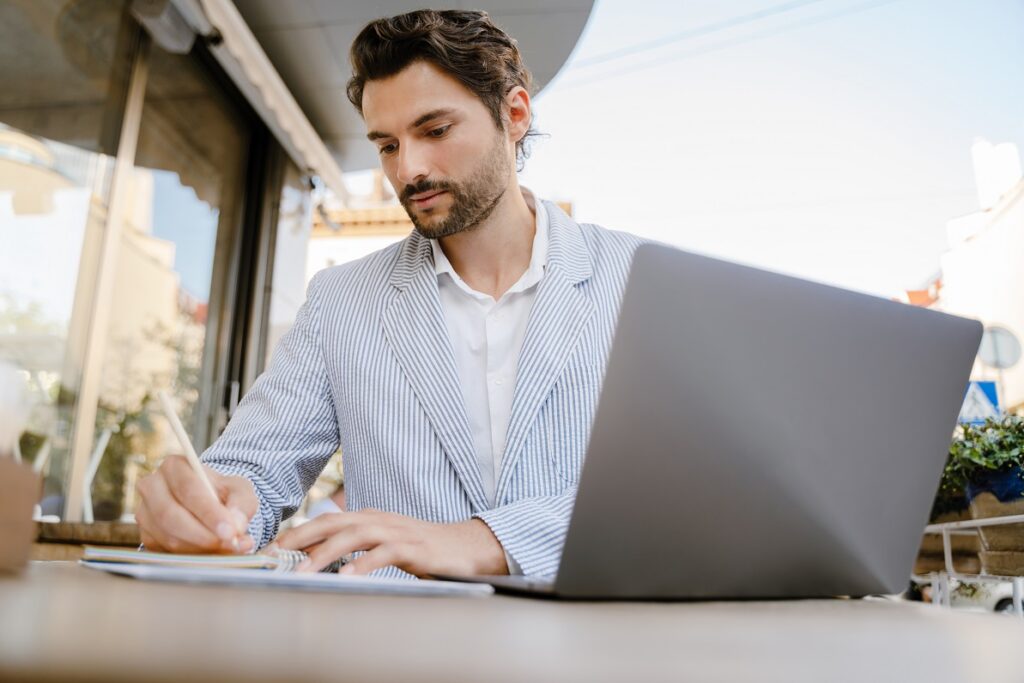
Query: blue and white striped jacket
point(368, 366)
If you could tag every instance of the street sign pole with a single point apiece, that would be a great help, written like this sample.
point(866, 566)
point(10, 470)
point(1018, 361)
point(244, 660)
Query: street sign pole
point(1000, 349)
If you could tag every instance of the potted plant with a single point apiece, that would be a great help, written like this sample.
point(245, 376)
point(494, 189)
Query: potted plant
point(985, 462)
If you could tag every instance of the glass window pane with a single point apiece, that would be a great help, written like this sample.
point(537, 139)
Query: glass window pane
point(63, 70)
point(173, 266)
point(288, 281)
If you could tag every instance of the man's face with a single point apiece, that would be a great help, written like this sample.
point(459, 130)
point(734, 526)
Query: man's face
point(438, 144)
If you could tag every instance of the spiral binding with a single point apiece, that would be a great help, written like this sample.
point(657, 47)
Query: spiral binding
point(288, 560)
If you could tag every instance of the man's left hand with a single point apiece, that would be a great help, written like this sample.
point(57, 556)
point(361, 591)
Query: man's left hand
point(418, 547)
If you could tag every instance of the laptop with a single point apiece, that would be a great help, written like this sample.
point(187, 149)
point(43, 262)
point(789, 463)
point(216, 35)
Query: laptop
point(759, 436)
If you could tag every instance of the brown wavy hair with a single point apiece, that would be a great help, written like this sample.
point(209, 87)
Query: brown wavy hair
point(466, 44)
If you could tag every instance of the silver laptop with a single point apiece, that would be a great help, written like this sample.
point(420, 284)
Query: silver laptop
point(760, 436)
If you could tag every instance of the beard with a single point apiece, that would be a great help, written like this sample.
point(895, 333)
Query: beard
point(472, 201)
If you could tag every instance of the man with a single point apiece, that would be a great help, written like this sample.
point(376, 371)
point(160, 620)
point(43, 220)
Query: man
point(457, 370)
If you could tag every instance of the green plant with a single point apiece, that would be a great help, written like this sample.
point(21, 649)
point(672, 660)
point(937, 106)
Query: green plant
point(949, 498)
point(131, 432)
point(995, 446)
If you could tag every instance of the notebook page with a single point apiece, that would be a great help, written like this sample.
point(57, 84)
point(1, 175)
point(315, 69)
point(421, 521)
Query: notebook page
point(332, 583)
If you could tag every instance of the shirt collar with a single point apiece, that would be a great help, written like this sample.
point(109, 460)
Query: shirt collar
point(538, 258)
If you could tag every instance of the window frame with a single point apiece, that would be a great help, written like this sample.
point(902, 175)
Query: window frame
point(242, 269)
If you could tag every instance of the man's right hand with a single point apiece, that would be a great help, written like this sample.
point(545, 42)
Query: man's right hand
point(177, 514)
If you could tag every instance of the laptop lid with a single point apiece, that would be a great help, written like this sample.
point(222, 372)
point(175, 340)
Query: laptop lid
point(762, 436)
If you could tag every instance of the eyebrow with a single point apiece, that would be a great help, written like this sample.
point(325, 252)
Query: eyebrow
point(424, 118)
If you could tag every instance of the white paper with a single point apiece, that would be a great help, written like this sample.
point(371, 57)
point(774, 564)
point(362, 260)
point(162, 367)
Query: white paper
point(332, 583)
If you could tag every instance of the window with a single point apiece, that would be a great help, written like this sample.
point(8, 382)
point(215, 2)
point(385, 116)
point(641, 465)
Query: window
point(130, 181)
point(173, 271)
point(62, 80)
point(294, 223)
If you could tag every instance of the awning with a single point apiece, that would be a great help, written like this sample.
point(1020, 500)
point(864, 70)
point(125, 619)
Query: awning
point(239, 53)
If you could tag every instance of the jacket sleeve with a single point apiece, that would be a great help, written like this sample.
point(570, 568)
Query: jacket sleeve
point(285, 429)
point(532, 531)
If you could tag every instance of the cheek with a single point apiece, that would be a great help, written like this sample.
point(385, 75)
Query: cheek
point(461, 158)
point(389, 167)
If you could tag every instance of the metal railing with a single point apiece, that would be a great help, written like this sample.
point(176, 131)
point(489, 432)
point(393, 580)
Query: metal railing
point(940, 581)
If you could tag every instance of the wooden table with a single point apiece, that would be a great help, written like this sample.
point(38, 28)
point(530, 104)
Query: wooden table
point(62, 622)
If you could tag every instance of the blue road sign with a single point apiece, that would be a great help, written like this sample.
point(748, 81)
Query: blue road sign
point(980, 401)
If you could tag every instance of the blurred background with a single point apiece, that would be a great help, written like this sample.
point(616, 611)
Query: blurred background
point(173, 172)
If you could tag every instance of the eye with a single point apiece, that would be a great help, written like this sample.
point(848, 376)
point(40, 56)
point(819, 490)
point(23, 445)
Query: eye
point(387, 149)
point(439, 132)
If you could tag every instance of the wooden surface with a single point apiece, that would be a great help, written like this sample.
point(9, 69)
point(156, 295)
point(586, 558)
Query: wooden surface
point(66, 540)
point(57, 551)
point(62, 622)
point(93, 533)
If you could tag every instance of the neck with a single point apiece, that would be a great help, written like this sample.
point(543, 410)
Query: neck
point(494, 255)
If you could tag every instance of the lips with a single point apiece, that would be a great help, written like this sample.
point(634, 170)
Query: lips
point(426, 196)
point(427, 200)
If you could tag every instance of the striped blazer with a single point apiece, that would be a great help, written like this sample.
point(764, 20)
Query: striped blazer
point(368, 367)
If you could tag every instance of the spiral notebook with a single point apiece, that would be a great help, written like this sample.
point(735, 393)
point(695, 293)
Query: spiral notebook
point(277, 560)
point(269, 570)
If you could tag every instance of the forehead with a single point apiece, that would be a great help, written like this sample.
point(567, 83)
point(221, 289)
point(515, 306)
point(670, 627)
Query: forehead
point(392, 104)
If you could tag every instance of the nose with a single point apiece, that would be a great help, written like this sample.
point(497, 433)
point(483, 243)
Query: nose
point(412, 163)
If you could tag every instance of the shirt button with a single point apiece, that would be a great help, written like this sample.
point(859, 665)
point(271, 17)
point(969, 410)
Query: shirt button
point(499, 381)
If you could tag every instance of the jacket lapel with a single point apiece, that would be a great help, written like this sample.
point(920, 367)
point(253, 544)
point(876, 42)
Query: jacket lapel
point(415, 328)
point(560, 315)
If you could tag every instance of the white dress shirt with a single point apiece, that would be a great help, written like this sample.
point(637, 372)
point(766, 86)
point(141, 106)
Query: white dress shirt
point(487, 336)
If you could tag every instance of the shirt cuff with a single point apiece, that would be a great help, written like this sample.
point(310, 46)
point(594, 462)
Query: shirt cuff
point(513, 566)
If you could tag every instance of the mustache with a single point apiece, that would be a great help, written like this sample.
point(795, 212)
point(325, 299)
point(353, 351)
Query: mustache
point(424, 186)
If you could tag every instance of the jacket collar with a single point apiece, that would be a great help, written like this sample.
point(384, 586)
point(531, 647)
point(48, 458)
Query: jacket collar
point(567, 251)
point(415, 327)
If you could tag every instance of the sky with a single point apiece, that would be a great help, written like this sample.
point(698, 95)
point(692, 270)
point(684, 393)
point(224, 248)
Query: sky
point(826, 138)
point(829, 139)
point(181, 217)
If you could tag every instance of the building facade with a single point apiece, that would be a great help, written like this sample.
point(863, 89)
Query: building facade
point(981, 274)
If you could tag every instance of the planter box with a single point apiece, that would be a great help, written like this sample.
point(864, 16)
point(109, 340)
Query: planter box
point(930, 557)
point(1007, 537)
point(959, 543)
point(999, 494)
point(963, 563)
point(1002, 562)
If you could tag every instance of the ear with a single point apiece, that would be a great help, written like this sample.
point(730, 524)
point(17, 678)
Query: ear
point(518, 113)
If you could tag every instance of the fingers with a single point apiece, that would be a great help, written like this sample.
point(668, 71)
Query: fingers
point(378, 558)
point(188, 489)
point(166, 525)
point(386, 539)
point(151, 536)
point(314, 531)
point(333, 536)
point(342, 543)
point(175, 512)
point(245, 545)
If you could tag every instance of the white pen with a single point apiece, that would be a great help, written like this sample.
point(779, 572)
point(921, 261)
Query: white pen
point(186, 444)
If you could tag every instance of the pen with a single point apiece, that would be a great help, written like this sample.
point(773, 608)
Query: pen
point(186, 444)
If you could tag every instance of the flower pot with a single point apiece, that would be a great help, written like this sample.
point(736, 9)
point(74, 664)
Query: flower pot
point(998, 494)
point(19, 490)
